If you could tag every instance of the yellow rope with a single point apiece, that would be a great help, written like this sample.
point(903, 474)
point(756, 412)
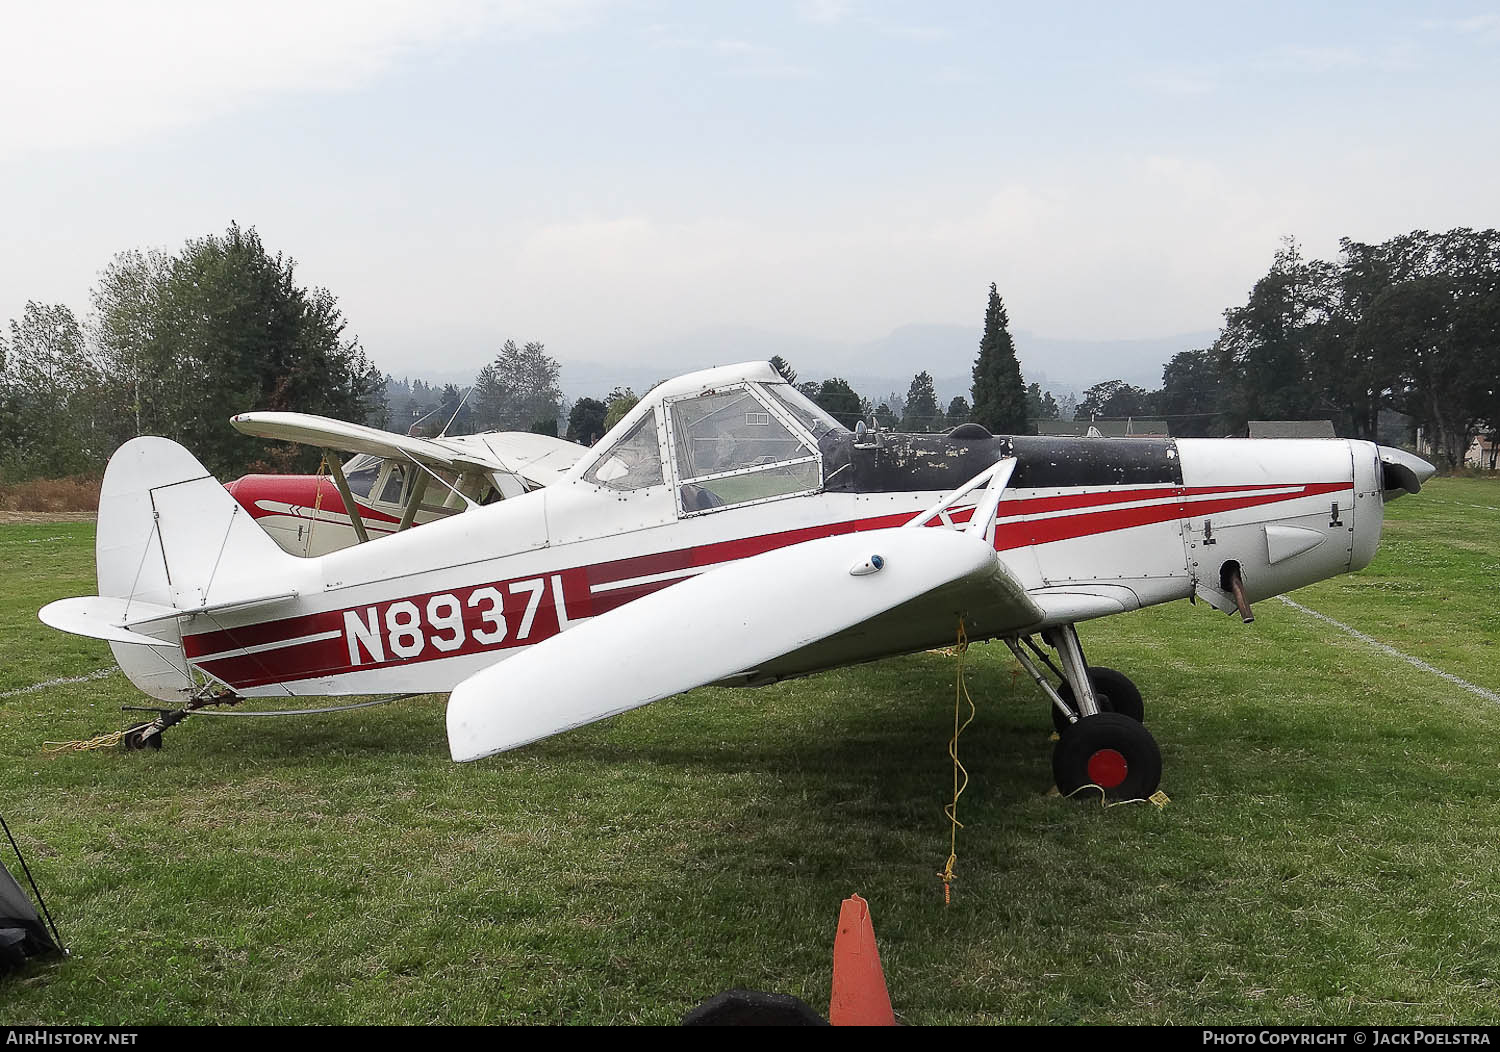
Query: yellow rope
point(318, 501)
point(960, 773)
point(103, 741)
point(1159, 798)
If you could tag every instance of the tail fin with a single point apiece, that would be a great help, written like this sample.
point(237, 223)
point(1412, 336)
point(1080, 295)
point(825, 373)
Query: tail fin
point(171, 541)
point(171, 535)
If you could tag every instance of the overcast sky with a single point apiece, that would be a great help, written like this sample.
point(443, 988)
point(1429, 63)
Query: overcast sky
point(600, 176)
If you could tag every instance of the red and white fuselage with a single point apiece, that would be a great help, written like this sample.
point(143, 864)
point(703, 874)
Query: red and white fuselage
point(423, 610)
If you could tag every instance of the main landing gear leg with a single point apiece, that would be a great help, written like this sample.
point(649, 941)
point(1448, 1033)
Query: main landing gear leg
point(1101, 740)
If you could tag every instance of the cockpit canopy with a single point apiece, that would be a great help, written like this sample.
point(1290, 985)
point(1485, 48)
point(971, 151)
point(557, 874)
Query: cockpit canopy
point(748, 439)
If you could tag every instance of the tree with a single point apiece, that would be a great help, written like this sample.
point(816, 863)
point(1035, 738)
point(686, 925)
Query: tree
point(518, 390)
point(922, 413)
point(455, 415)
point(54, 418)
point(885, 419)
point(840, 401)
point(620, 401)
point(586, 421)
point(1433, 334)
point(220, 328)
point(959, 411)
point(999, 397)
point(781, 365)
point(127, 320)
point(1040, 405)
point(1114, 399)
point(1264, 350)
point(1190, 395)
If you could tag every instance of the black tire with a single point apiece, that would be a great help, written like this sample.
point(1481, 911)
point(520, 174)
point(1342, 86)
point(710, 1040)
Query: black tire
point(1109, 750)
point(135, 738)
point(1115, 691)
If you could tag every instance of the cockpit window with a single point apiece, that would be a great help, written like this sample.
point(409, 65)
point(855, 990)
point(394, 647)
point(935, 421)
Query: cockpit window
point(729, 431)
point(395, 482)
point(730, 448)
point(361, 473)
point(635, 462)
point(811, 415)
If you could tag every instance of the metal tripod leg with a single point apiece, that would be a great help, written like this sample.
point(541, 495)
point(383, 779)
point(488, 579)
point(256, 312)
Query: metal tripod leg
point(1041, 680)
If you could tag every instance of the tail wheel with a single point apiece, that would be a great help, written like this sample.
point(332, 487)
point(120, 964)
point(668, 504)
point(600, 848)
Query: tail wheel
point(1114, 691)
point(1109, 750)
point(141, 737)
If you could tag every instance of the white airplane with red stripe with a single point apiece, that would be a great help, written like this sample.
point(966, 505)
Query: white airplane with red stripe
point(392, 483)
point(730, 532)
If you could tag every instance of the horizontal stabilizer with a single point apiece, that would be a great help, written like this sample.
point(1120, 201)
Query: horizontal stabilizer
point(726, 622)
point(105, 617)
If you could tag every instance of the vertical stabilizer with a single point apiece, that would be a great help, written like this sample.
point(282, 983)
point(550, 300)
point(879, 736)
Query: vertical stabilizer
point(171, 536)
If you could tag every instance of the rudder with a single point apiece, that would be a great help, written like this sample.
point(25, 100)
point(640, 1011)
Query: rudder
point(170, 535)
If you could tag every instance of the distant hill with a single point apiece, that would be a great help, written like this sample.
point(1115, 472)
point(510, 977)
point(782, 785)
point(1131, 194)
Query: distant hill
point(876, 367)
point(888, 364)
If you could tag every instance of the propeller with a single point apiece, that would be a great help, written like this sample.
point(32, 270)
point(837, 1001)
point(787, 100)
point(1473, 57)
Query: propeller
point(1402, 472)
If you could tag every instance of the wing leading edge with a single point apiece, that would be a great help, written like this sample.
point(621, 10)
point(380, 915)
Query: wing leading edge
point(809, 606)
point(538, 459)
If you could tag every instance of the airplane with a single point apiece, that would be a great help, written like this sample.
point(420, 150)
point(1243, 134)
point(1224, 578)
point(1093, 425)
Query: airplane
point(392, 483)
point(729, 531)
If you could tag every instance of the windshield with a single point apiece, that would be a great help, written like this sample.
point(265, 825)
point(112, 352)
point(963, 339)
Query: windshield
point(731, 449)
point(635, 462)
point(811, 415)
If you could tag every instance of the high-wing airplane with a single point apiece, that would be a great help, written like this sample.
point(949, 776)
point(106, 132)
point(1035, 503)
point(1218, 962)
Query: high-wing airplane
point(728, 531)
point(392, 483)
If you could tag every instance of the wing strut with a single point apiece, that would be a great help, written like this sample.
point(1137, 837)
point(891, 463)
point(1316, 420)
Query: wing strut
point(336, 468)
point(418, 491)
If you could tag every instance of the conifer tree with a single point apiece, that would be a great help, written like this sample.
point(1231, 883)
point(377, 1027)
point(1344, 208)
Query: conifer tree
point(999, 395)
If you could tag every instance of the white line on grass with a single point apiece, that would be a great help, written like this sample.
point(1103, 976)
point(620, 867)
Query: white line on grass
point(102, 673)
point(1461, 504)
point(1486, 694)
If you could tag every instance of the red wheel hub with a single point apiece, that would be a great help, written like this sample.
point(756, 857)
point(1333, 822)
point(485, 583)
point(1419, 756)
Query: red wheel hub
point(1107, 768)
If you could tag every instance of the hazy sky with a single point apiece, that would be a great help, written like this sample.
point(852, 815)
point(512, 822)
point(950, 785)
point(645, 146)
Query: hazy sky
point(603, 175)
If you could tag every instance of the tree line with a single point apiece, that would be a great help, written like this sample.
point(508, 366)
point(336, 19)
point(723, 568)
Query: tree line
point(1386, 338)
point(1407, 330)
point(174, 346)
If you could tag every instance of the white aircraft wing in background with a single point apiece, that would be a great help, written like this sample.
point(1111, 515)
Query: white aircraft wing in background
point(537, 459)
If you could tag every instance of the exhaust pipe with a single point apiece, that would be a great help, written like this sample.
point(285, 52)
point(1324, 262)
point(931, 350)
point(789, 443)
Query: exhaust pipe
point(1230, 579)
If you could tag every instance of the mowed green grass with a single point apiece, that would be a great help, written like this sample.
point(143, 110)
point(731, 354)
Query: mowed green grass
point(1329, 855)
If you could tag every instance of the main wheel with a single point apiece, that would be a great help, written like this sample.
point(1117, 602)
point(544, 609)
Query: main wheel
point(1115, 691)
point(1109, 750)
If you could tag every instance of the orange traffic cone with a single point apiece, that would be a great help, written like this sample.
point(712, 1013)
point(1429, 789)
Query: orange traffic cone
point(859, 994)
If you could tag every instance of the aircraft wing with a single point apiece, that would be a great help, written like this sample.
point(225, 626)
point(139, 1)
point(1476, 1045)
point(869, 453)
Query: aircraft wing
point(538, 459)
point(785, 612)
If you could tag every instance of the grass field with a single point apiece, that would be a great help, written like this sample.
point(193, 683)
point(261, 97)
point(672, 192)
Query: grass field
point(1330, 853)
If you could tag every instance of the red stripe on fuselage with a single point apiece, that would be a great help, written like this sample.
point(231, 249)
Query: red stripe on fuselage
point(300, 491)
point(332, 657)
